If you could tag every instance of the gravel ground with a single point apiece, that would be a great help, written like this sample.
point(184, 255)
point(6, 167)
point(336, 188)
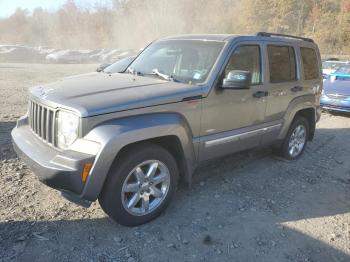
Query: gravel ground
point(246, 207)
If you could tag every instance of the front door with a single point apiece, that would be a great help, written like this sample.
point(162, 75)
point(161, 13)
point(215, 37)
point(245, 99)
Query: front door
point(232, 119)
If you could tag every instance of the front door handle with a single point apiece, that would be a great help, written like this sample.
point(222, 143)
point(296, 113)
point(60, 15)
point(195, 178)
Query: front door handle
point(260, 94)
point(296, 88)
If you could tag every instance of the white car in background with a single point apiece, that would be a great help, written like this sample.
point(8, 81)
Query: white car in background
point(330, 66)
point(20, 54)
point(69, 56)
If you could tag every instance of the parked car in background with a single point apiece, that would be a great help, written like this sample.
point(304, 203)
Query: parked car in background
point(69, 56)
point(102, 55)
point(21, 54)
point(122, 53)
point(336, 91)
point(330, 66)
point(332, 59)
point(118, 67)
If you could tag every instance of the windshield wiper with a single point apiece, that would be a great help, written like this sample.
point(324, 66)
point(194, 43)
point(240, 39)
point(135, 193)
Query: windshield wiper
point(164, 76)
point(161, 75)
point(155, 71)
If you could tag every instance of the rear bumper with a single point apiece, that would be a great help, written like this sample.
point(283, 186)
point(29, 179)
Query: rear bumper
point(61, 170)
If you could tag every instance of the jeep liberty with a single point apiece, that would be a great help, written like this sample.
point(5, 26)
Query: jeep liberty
point(127, 138)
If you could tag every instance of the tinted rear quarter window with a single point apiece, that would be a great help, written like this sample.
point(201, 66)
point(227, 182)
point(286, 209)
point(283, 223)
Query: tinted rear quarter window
point(281, 63)
point(310, 63)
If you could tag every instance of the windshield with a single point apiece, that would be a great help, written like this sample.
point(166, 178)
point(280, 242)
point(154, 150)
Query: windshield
point(187, 61)
point(331, 65)
point(119, 66)
point(343, 70)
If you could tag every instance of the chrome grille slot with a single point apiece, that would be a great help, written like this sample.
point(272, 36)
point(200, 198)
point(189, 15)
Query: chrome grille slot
point(41, 119)
point(39, 122)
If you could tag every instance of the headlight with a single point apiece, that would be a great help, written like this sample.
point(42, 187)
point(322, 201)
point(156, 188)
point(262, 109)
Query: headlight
point(67, 128)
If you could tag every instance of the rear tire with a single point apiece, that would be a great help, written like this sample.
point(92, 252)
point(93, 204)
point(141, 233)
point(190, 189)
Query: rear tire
point(296, 139)
point(132, 198)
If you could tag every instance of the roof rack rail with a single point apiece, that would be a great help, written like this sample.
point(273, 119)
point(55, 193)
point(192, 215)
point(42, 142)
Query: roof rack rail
point(283, 35)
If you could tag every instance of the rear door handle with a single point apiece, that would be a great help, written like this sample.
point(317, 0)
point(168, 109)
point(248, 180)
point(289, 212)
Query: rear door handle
point(296, 88)
point(260, 94)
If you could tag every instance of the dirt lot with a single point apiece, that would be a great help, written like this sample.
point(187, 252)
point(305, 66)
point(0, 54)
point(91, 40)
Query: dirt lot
point(246, 207)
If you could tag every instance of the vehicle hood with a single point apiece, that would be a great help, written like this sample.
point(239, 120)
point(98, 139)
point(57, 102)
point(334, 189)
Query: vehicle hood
point(341, 87)
point(99, 93)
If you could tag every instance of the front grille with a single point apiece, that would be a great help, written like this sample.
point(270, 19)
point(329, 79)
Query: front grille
point(338, 96)
point(42, 121)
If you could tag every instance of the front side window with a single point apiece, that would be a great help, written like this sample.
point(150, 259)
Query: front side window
point(188, 61)
point(310, 63)
point(246, 58)
point(281, 63)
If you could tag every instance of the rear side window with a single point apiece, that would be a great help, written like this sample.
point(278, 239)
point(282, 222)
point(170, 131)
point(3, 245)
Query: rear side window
point(281, 63)
point(310, 63)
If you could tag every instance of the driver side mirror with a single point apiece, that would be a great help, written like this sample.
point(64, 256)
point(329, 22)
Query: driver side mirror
point(237, 79)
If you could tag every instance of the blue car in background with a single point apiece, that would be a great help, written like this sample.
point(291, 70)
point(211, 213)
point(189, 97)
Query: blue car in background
point(336, 91)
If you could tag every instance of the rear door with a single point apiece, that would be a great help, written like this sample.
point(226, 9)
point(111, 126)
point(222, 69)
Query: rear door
point(311, 72)
point(283, 82)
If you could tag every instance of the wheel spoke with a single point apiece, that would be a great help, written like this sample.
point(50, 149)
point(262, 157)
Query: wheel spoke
point(292, 151)
point(140, 176)
point(152, 170)
point(145, 203)
point(301, 132)
point(160, 178)
point(300, 147)
point(293, 135)
point(134, 200)
point(134, 187)
point(156, 192)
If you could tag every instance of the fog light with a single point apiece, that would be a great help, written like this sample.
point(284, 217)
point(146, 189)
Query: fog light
point(86, 170)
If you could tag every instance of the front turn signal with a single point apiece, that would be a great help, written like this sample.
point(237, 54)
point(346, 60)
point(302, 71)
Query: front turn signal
point(86, 170)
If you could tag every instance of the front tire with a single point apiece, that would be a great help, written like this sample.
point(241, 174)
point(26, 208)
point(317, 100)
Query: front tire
point(140, 185)
point(296, 139)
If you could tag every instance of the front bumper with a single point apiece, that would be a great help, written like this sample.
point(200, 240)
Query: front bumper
point(61, 170)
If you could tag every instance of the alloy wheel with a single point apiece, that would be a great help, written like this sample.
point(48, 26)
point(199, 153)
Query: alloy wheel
point(145, 187)
point(297, 141)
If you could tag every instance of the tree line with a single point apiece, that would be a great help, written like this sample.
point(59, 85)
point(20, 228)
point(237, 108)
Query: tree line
point(134, 23)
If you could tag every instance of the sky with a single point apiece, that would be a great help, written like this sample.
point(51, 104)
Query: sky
point(8, 7)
